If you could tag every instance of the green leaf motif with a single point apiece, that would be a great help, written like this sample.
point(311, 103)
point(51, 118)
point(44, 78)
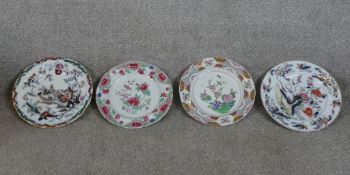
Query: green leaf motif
point(147, 92)
point(206, 98)
point(224, 108)
point(137, 96)
point(232, 103)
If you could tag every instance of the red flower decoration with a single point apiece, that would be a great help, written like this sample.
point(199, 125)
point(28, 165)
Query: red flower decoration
point(316, 92)
point(105, 91)
point(143, 87)
point(140, 71)
point(308, 112)
point(105, 110)
point(108, 102)
point(104, 81)
point(163, 107)
point(145, 118)
point(161, 76)
point(133, 101)
point(134, 65)
point(135, 124)
point(151, 74)
point(117, 117)
point(46, 114)
point(121, 72)
point(58, 72)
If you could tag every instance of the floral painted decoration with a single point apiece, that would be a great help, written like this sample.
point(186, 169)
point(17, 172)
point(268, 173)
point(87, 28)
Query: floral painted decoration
point(301, 96)
point(134, 95)
point(222, 103)
point(217, 91)
point(52, 92)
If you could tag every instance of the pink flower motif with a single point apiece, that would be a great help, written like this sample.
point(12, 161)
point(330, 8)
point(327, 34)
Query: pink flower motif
point(105, 110)
point(105, 91)
point(59, 66)
point(134, 65)
point(143, 87)
point(163, 107)
point(151, 74)
point(121, 72)
point(164, 94)
point(117, 117)
point(161, 76)
point(140, 71)
point(108, 102)
point(135, 124)
point(304, 97)
point(145, 118)
point(228, 98)
point(104, 81)
point(133, 101)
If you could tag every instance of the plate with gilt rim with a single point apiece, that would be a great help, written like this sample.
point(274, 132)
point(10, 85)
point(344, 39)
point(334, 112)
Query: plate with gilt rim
point(217, 91)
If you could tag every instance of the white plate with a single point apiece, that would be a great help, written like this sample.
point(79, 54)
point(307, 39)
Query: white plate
point(301, 96)
point(134, 95)
point(217, 91)
point(52, 92)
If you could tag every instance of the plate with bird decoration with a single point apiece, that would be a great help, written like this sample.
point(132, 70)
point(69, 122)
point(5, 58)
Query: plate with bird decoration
point(217, 91)
point(301, 96)
point(134, 95)
point(52, 92)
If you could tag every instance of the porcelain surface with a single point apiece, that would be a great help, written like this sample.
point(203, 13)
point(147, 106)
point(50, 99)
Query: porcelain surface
point(217, 91)
point(301, 96)
point(52, 92)
point(134, 95)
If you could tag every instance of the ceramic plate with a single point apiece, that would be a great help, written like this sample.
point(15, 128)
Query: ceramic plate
point(134, 95)
point(52, 92)
point(217, 91)
point(301, 96)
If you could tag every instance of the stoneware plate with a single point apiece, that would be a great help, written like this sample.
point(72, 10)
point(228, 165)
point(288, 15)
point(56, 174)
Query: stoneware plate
point(217, 91)
point(52, 92)
point(134, 95)
point(301, 96)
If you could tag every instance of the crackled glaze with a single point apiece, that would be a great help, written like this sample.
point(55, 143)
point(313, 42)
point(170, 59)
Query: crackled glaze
point(52, 92)
point(134, 95)
point(217, 91)
point(301, 96)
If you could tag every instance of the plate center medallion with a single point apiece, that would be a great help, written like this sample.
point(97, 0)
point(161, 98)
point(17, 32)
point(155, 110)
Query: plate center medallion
point(135, 96)
point(301, 96)
point(216, 92)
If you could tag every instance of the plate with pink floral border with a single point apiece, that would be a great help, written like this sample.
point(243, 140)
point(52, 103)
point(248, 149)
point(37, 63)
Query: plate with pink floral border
point(52, 92)
point(134, 95)
point(301, 96)
point(217, 91)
